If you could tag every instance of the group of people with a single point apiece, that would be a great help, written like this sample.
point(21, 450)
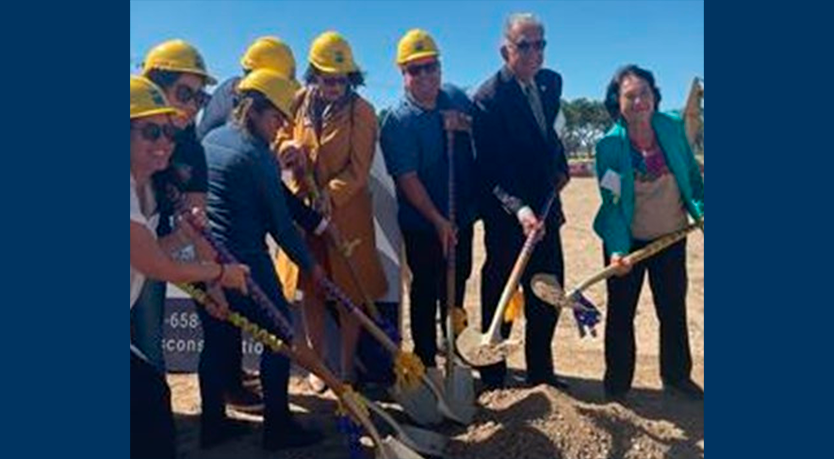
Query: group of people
point(272, 156)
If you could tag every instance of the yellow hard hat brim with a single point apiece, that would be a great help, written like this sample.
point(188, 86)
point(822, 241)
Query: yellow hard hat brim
point(157, 111)
point(418, 56)
point(210, 80)
point(329, 69)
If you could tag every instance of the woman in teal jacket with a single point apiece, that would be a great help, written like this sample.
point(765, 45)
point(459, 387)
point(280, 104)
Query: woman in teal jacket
point(650, 184)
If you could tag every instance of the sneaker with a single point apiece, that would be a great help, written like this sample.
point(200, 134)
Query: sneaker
point(686, 389)
point(245, 400)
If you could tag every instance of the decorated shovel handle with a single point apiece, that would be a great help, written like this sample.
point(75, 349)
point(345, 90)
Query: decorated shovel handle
point(225, 256)
point(518, 269)
point(451, 256)
point(635, 257)
point(303, 356)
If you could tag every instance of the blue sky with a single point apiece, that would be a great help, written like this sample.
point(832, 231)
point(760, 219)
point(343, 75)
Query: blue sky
point(587, 40)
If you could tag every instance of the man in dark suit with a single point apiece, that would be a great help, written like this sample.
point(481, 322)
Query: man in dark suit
point(521, 163)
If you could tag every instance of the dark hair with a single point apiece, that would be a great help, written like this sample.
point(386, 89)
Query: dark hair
point(250, 101)
point(355, 79)
point(612, 94)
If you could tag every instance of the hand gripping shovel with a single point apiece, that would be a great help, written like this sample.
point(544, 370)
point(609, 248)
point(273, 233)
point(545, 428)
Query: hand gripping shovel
point(484, 349)
point(387, 448)
point(546, 287)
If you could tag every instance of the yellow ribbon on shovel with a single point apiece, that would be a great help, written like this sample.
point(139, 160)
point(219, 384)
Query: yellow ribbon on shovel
point(459, 320)
point(358, 402)
point(409, 370)
point(515, 307)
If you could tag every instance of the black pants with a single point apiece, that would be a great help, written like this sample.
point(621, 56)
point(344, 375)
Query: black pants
point(504, 238)
point(152, 432)
point(424, 255)
point(668, 281)
point(220, 364)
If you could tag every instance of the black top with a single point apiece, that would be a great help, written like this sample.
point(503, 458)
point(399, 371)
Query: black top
point(187, 171)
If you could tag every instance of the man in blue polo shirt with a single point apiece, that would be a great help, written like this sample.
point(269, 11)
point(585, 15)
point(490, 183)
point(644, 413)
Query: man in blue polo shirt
point(414, 144)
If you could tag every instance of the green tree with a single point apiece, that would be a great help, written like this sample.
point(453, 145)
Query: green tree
point(585, 122)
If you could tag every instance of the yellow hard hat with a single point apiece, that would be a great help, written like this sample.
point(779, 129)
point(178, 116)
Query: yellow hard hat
point(270, 53)
point(331, 53)
point(177, 56)
point(146, 99)
point(416, 44)
point(279, 90)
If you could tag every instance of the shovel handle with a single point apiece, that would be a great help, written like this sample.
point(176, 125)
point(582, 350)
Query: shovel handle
point(226, 256)
point(635, 257)
point(451, 256)
point(518, 270)
point(388, 419)
point(363, 318)
point(377, 333)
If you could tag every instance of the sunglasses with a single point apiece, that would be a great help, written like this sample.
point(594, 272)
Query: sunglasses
point(428, 68)
point(152, 131)
point(334, 81)
point(525, 46)
point(185, 94)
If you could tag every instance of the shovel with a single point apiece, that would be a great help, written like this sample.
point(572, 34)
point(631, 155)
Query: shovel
point(421, 440)
point(420, 402)
point(484, 349)
point(353, 403)
point(460, 387)
point(424, 403)
point(387, 448)
point(547, 288)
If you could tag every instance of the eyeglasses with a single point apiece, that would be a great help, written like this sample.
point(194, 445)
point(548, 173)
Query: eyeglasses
point(152, 131)
point(334, 81)
point(428, 68)
point(185, 94)
point(525, 46)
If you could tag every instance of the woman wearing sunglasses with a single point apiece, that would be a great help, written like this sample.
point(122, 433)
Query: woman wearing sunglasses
point(179, 70)
point(151, 145)
point(246, 202)
point(333, 142)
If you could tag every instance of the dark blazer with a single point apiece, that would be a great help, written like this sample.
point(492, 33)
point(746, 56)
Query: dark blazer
point(512, 152)
point(246, 200)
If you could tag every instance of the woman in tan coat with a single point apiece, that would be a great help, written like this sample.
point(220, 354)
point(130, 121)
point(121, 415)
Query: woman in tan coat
point(332, 145)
